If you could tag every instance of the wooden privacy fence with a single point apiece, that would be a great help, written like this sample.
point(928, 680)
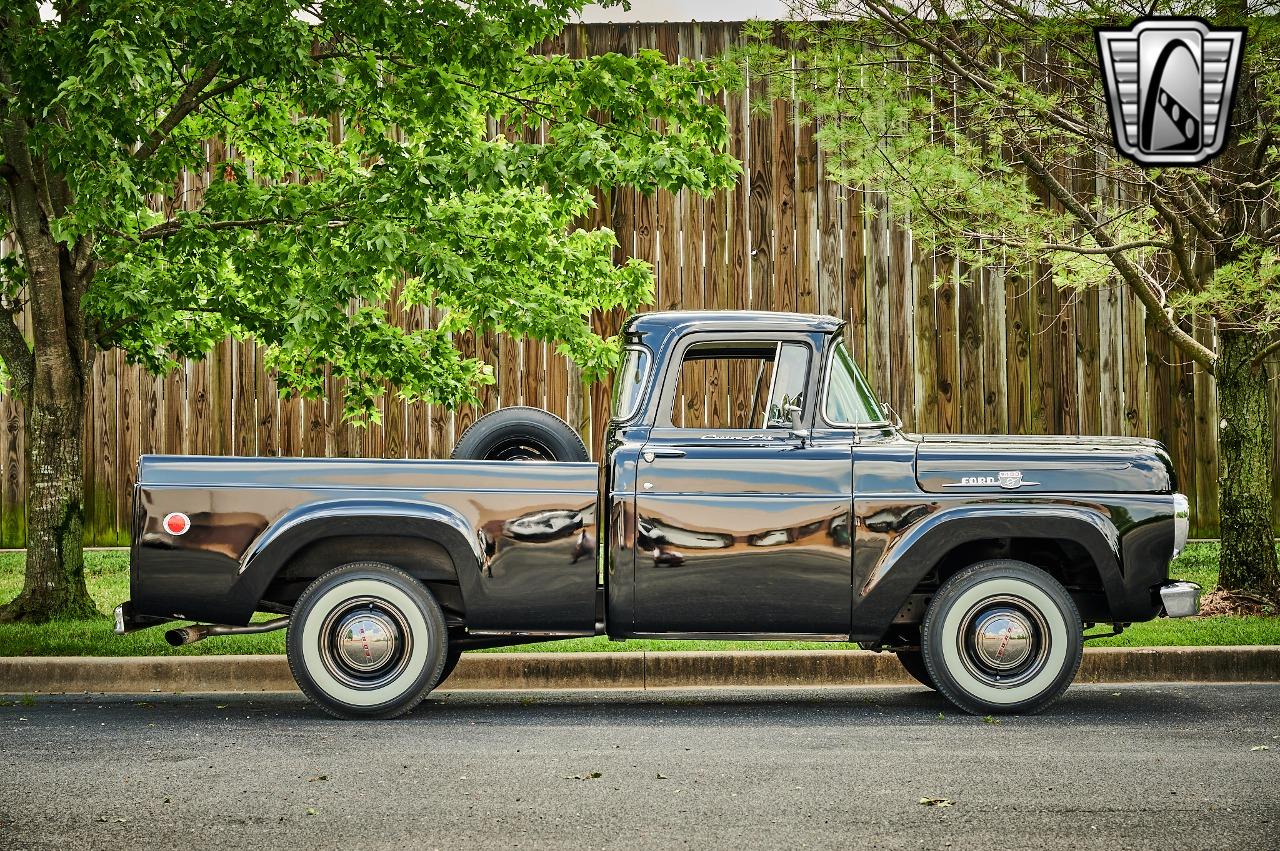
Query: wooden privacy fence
point(952, 350)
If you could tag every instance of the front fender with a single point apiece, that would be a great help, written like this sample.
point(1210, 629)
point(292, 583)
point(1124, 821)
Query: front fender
point(882, 586)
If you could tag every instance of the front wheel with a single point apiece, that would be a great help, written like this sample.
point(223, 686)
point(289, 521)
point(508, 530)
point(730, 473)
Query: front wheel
point(1001, 637)
point(367, 640)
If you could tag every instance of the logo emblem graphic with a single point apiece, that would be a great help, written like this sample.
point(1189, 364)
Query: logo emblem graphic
point(177, 523)
point(1007, 479)
point(1011, 479)
point(1169, 84)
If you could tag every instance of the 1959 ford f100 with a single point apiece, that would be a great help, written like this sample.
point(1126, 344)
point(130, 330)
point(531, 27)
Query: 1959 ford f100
point(752, 488)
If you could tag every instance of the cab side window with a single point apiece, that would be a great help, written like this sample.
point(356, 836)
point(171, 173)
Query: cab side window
point(739, 385)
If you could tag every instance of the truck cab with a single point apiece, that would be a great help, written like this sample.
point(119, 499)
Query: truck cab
point(729, 487)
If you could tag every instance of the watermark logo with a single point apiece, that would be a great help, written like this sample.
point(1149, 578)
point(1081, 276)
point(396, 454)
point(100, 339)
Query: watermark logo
point(1169, 84)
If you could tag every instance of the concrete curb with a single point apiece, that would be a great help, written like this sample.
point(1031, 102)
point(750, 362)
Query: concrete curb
point(623, 670)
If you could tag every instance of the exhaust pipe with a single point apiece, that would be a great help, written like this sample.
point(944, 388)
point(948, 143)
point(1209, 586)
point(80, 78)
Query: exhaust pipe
point(200, 631)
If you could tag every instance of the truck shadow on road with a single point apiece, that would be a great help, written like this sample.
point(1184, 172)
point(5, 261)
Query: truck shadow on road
point(1081, 706)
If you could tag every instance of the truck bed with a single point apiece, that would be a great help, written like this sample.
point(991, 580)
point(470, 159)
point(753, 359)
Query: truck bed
point(519, 537)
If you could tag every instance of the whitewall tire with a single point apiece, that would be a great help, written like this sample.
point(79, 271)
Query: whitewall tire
point(1002, 637)
point(367, 640)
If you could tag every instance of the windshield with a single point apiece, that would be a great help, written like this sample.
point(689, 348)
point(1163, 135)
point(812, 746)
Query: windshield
point(629, 385)
point(849, 398)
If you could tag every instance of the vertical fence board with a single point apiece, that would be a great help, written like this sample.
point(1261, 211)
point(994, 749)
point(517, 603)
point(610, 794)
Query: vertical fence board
point(244, 398)
point(879, 304)
point(782, 229)
point(1182, 433)
point(12, 487)
point(947, 319)
point(1138, 374)
point(1065, 369)
point(901, 322)
point(1111, 354)
point(1044, 402)
point(1018, 329)
point(995, 354)
point(969, 305)
point(807, 234)
point(855, 273)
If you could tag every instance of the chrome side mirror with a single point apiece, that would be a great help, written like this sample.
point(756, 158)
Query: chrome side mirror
point(798, 432)
point(891, 415)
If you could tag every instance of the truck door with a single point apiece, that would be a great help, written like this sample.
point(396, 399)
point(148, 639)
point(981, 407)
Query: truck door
point(742, 528)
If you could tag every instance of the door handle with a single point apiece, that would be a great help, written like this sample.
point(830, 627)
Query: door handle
point(650, 454)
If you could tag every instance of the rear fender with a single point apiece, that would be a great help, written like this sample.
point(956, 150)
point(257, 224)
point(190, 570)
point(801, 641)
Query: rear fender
point(315, 521)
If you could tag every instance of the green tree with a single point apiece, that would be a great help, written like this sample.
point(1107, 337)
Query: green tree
point(984, 121)
point(301, 235)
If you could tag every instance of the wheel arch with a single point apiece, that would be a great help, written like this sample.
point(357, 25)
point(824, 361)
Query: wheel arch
point(431, 543)
point(950, 539)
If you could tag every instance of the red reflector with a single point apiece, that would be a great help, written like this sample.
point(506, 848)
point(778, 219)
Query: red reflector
point(177, 523)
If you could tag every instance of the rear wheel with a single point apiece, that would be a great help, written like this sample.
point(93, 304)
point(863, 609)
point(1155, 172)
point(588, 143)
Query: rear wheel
point(367, 640)
point(450, 662)
point(1000, 637)
point(520, 434)
point(913, 662)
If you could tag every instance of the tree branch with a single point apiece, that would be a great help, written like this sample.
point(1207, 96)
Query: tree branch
point(1260, 150)
point(1060, 246)
point(1132, 275)
point(939, 50)
point(192, 96)
point(172, 226)
point(1269, 350)
point(16, 355)
point(1178, 246)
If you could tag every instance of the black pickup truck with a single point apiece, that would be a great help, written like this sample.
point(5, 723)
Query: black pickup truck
point(805, 512)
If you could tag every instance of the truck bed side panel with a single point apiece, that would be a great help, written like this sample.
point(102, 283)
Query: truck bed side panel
point(530, 562)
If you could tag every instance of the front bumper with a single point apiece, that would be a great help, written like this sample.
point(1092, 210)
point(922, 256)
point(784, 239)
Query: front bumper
point(1181, 599)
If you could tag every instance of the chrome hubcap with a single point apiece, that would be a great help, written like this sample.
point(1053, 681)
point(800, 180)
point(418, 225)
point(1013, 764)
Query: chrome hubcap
point(365, 642)
point(1003, 641)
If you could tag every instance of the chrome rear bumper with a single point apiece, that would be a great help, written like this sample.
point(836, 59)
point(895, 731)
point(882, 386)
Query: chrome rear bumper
point(1181, 599)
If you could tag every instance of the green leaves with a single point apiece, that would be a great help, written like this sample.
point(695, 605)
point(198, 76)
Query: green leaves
point(308, 177)
point(987, 131)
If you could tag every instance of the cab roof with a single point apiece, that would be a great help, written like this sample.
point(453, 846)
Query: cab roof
point(663, 323)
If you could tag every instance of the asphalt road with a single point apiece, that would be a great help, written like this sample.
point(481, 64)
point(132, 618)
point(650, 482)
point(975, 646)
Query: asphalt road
point(1169, 766)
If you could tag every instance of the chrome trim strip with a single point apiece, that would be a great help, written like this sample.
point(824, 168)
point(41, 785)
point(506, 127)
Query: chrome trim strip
point(742, 636)
point(532, 633)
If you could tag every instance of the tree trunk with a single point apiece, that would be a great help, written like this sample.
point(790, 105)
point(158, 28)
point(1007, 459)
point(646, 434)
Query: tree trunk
point(54, 585)
point(50, 374)
point(1247, 562)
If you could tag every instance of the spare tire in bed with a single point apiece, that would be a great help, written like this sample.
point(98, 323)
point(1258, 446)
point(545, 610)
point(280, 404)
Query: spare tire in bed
point(520, 434)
